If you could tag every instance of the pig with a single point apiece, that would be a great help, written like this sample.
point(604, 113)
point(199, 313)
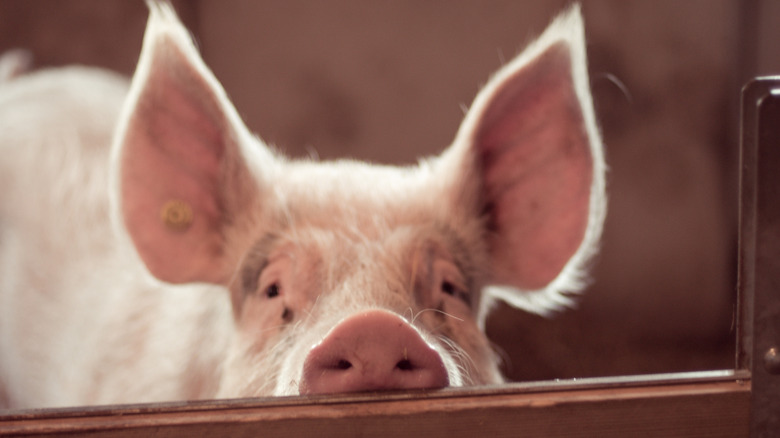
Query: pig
point(153, 249)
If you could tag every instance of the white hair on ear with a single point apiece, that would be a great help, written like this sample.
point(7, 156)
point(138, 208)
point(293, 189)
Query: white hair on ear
point(569, 29)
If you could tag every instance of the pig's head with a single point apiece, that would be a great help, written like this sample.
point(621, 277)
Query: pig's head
point(346, 276)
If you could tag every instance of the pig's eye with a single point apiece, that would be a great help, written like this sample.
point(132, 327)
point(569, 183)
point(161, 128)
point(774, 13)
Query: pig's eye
point(446, 281)
point(272, 291)
point(454, 291)
point(449, 288)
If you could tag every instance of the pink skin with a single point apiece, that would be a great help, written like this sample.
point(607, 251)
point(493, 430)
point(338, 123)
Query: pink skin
point(373, 350)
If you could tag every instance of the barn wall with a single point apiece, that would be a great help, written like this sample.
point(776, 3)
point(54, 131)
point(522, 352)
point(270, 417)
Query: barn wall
point(386, 81)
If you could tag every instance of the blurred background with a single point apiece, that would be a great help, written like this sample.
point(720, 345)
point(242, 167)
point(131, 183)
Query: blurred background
point(387, 81)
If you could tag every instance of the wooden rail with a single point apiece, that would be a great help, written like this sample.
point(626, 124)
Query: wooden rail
point(709, 404)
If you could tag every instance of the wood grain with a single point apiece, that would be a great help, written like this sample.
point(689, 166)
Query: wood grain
point(709, 407)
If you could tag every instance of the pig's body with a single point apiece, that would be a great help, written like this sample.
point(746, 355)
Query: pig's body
point(68, 336)
point(289, 274)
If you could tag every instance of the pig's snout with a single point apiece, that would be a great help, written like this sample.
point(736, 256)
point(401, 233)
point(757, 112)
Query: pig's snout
point(374, 350)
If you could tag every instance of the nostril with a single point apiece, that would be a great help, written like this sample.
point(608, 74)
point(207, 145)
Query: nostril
point(405, 365)
point(343, 365)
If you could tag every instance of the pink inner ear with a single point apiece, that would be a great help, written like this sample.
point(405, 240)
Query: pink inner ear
point(173, 150)
point(537, 170)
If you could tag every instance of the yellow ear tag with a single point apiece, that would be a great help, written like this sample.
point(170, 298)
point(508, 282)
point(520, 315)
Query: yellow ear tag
point(176, 215)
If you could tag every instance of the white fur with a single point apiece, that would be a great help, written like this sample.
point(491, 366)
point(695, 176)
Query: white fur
point(67, 335)
point(83, 322)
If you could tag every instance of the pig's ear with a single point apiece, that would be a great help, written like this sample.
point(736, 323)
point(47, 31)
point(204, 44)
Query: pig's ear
point(182, 160)
point(531, 165)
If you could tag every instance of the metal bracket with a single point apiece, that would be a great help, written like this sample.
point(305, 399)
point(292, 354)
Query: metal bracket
point(759, 269)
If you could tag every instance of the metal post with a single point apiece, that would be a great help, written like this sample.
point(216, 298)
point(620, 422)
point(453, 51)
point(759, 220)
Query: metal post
point(759, 270)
